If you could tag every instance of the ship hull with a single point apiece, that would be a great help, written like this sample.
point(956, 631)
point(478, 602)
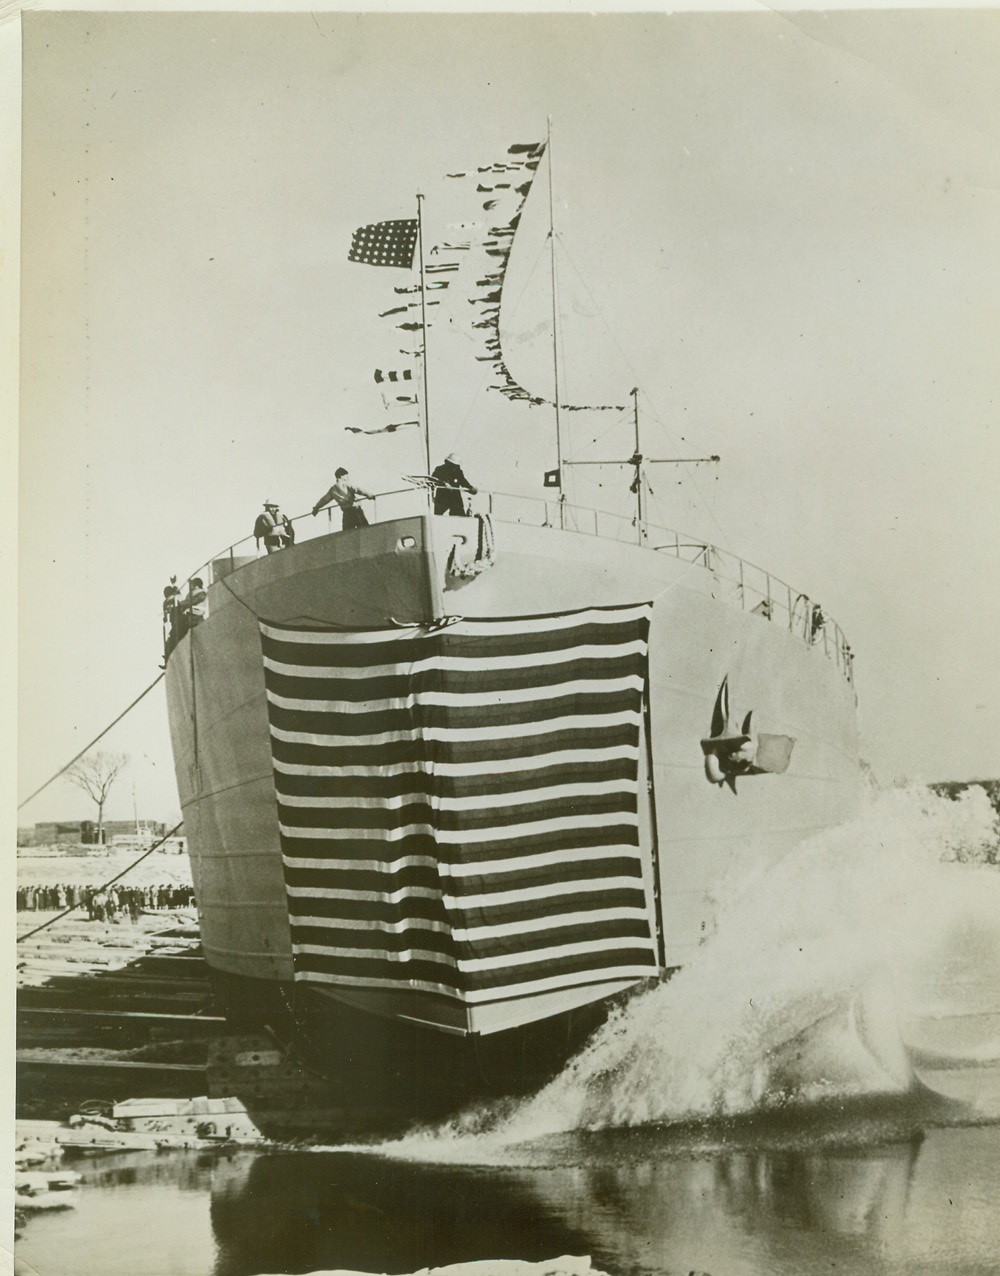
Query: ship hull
point(411, 1051)
point(369, 1074)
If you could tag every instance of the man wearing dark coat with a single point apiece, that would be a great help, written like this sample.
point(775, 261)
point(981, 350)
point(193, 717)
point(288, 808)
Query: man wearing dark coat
point(449, 484)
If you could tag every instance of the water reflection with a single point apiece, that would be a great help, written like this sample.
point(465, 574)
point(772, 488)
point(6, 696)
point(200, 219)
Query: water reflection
point(183, 1172)
point(901, 1208)
point(306, 1212)
point(639, 1201)
point(881, 1186)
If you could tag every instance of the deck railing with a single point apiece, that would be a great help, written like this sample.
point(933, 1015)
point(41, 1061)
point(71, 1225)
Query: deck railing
point(739, 581)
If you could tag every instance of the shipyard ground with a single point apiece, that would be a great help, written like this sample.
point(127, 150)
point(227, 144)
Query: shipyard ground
point(125, 1009)
point(110, 1010)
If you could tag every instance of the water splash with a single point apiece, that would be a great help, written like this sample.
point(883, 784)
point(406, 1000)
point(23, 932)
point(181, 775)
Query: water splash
point(817, 965)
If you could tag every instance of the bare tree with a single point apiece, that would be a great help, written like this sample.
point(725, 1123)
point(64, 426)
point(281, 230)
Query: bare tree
point(95, 773)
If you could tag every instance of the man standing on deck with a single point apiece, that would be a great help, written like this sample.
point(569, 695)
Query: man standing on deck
point(195, 606)
point(273, 528)
point(347, 496)
point(449, 483)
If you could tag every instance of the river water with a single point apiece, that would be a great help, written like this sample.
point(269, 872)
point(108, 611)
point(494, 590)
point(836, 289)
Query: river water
point(818, 1092)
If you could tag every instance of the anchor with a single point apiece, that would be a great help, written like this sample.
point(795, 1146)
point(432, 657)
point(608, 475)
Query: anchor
point(730, 753)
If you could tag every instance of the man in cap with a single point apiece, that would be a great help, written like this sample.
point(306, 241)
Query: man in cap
point(347, 495)
point(449, 484)
point(273, 528)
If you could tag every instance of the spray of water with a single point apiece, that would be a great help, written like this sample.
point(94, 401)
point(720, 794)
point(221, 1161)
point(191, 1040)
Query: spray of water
point(817, 963)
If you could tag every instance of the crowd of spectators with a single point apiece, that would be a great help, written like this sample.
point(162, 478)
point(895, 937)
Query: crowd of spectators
point(105, 905)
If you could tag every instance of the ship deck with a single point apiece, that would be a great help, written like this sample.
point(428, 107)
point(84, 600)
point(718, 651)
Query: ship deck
point(739, 581)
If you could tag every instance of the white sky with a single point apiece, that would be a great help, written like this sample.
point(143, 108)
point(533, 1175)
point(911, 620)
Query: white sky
point(784, 229)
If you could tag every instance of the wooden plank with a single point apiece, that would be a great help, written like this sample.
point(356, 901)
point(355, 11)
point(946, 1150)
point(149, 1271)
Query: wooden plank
point(37, 1059)
point(50, 1025)
point(60, 1086)
point(116, 999)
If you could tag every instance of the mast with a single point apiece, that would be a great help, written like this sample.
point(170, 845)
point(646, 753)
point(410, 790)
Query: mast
point(638, 461)
point(423, 321)
point(555, 324)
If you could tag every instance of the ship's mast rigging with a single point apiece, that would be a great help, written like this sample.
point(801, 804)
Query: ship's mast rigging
point(555, 324)
point(638, 461)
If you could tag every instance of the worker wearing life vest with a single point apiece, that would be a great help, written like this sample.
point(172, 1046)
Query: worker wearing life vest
point(273, 528)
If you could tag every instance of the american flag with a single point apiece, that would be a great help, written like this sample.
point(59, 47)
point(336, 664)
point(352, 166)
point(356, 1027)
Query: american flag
point(385, 243)
point(458, 809)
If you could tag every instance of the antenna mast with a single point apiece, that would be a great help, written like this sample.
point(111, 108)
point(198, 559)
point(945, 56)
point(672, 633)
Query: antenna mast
point(555, 325)
point(639, 462)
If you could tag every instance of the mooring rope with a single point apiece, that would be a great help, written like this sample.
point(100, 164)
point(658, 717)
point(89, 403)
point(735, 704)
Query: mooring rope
point(91, 745)
point(128, 869)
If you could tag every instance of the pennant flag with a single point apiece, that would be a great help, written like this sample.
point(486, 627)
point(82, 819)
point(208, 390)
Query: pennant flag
point(406, 374)
point(391, 400)
point(383, 429)
point(551, 478)
point(385, 243)
point(477, 242)
point(458, 808)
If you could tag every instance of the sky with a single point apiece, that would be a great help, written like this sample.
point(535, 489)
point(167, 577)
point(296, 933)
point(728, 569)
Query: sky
point(781, 228)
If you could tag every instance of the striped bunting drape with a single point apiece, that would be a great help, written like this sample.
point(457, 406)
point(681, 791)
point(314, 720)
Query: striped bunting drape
point(459, 808)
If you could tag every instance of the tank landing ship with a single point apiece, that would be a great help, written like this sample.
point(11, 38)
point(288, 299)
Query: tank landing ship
point(454, 786)
point(456, 781)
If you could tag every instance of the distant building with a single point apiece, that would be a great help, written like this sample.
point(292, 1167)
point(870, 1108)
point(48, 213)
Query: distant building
point(116, 832)
point(65, 832)
point(141, 834)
